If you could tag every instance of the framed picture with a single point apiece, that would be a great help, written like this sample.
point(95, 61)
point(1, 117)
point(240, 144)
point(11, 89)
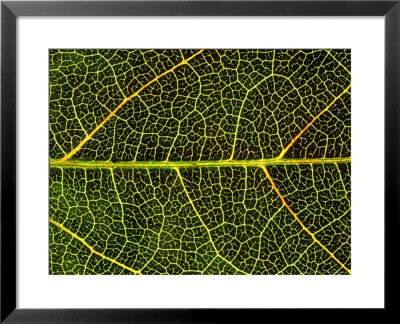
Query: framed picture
point(219, 148)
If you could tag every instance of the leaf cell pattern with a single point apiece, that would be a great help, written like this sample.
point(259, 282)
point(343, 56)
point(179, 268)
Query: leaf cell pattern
point(200, 161)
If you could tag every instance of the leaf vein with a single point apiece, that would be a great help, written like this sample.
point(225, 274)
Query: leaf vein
point(62, 227)
point(127, 99)
point(299, 221)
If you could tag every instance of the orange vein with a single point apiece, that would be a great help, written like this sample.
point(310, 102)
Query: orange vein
point(91, 248)
point(88, 137)
point(299, 221)
point(311, 122)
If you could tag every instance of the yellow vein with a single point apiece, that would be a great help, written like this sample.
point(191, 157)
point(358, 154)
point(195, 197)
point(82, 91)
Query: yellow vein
point(340, 63)
point(299, 221)
point(202, 222)
point(311, 122)
point(192, 164)
point(88, 137)
point(91, 248)
point(122, 208)
point(240, 113)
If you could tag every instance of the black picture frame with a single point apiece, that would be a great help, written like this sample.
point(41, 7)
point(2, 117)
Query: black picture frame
point(10, 10)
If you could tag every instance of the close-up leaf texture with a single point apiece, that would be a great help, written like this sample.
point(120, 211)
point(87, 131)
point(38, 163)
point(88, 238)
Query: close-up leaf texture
point(199, 161)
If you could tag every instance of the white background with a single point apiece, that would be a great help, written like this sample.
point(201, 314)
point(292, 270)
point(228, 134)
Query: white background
point(363, 288)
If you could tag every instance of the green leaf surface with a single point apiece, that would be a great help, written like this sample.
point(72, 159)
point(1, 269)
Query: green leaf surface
point(200, 162)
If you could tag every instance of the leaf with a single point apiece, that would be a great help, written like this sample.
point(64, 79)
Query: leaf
point(200, 162)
